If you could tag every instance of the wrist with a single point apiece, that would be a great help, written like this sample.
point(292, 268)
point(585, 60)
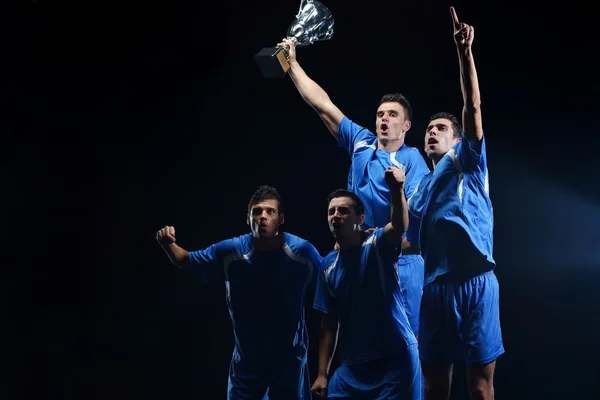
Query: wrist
point(464, 51)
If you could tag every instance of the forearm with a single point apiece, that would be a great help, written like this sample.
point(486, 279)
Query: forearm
point(327, 343)
point(310, 91)
point(468, 79)
point(399, 218)
point(471, 113)
point(178, 255)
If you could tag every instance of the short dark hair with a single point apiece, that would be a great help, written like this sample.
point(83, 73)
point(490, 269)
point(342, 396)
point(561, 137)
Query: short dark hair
point(265, 192)
point(456, 128)
point(358, 205)
point(398, 98)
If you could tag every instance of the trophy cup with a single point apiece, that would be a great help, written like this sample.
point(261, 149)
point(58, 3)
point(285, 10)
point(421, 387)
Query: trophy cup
point(313, 23)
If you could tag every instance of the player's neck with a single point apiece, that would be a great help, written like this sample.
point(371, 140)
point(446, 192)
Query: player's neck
point(434, 161)
point(350, 241)
point(268, 244)
point(389, 145)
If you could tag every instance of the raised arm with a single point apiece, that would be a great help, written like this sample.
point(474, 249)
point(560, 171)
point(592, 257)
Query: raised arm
point(178, 255)
point(393, 231)
point(463, 37)
point(312, 93)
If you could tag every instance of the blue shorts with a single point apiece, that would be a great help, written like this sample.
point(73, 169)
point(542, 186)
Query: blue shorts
point(278, 381)
point(392, 378)
point(461, 321)
point(411, 270)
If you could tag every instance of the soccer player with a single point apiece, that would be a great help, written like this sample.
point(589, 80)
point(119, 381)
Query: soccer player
point(371, 154)
point(359, 292)
point(460, 318)
point(266, 274)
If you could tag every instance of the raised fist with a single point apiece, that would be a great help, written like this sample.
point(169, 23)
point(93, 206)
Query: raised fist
point(166, 235)
point(395, 178)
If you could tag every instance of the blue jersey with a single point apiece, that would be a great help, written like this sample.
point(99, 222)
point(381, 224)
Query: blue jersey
point(366, 176)
point(453, 209)
point(360, 286)
point(265, 292)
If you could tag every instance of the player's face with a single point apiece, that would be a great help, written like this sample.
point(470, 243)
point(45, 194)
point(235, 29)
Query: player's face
point(439, 138)
point(390, 123)
point(264, 218)
point(342, 218)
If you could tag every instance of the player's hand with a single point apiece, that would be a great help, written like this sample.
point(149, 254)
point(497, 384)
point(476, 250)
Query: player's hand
point(366, 233)
point(291, 49)
point(166, 235)
point(395, 178)
point(463, 33)
point(319, 388)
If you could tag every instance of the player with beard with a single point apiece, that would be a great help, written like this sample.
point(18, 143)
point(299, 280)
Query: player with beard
point(358, 291)
point(460, 312)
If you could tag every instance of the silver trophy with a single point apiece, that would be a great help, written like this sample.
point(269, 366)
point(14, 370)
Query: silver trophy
point(313, 23)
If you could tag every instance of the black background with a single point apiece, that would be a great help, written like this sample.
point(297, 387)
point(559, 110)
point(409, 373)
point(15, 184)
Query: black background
point(121, 117)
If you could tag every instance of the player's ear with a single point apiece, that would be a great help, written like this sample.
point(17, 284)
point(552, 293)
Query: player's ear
point(406, 126)
point(247, 219)
point(281, 219)
point(361, 219)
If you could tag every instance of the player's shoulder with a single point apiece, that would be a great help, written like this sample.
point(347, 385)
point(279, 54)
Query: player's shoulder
point(373, 237)
point(297, 243)
point(294, 240)
point(410, 153)
point(242, 243)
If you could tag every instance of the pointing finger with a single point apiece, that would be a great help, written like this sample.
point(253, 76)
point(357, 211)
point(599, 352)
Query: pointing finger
point(454, 18)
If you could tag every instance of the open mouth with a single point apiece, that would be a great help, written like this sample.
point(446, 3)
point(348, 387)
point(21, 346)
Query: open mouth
point(336, 225)
point(383, 128)
point(432, 141)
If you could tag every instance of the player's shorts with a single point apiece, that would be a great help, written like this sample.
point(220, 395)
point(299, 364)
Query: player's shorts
point(461, 321)
point(275, 381)
point(392, 378)
point(411, 271)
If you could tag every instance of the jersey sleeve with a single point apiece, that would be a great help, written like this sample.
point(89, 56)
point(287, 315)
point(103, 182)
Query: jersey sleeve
point(324, 299)
point(350, 133)
point(315, 260)
point(207, 263)
point(472, 155)
point(415, 170)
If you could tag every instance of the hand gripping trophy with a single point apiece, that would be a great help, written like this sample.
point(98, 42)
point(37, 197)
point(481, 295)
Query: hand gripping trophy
point(313, 23)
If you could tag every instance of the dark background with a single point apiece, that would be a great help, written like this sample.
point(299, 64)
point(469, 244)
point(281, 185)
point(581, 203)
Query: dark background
point(121, 117)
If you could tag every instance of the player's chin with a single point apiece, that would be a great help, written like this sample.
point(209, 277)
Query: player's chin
point(265, 232)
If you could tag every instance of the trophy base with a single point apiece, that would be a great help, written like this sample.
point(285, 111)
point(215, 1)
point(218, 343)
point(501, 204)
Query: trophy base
point(272, 62)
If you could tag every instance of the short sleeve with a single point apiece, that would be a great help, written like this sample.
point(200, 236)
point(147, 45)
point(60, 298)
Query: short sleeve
point(472, 155)
point(324, 299)
point(350, 134)
point(415, 170)
point(205, 263)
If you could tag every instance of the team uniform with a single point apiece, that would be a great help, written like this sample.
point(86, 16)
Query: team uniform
point(379, 358)
point(460, 318)
point(366, 179)
point(266, 294)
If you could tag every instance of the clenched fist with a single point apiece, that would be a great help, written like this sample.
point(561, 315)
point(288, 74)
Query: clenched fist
point(395, 178)
point(166, 235)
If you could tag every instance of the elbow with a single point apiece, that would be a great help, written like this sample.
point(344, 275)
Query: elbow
point(183, 262)
point(472, 106)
